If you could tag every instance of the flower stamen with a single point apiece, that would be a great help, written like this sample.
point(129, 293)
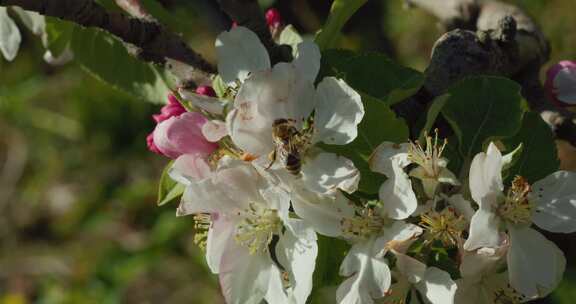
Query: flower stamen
point(258, 228)
point(202, 223)
point(516, 207)
point(444, 226)
point(428, 158)
point(363, 225)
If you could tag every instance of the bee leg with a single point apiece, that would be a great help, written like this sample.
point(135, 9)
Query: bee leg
point(272, 158)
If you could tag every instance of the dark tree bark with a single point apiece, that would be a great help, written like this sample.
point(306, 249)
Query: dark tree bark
point(154, 42)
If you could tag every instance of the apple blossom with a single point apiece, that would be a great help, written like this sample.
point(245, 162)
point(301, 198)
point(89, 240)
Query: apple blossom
point(328, 113)
point(481, 280)
point(368, 273)
point(550, 204)
point(246, 215)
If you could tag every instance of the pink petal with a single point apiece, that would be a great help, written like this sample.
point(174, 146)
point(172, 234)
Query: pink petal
point(183, 135)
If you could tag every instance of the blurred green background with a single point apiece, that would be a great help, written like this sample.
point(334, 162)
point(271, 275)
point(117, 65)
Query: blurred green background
point(78, 219)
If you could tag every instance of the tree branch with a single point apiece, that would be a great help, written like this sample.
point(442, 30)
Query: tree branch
point(488, 38)
point(155, 43)
point(248, 13)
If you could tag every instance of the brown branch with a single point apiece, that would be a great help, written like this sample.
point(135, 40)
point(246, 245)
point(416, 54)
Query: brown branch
point(248, 13)
point(488, 38)
point(155, 43)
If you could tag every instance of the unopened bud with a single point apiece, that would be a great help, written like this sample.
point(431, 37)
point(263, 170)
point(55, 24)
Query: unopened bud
point(561, 83)
point(206, 91)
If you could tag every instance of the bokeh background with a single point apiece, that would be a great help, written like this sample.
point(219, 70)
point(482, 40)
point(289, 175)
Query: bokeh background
point(78, 215)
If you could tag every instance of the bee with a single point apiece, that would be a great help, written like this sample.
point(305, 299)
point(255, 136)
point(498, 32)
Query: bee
point(289, 143)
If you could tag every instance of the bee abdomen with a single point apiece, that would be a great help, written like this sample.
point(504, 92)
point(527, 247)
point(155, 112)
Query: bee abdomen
point(293, 163)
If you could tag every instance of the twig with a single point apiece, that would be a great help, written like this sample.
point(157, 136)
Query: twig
point(156, 44)
point(489, 38)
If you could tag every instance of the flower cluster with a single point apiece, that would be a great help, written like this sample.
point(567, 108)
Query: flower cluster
point(261, 184)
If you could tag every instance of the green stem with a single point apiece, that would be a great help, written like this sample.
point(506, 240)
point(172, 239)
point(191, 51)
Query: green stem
point(341, 11)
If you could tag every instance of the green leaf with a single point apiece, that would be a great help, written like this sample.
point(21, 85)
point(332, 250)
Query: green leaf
point(333, 62)
point(168, 190)
point(378, 125)
point(340, 12)
point(219, 86)
point(107, 59)
point(58, 35)
point(375, 74)
point(539, 156)
point(331, 252)
point(432, 114)
point(483, 108)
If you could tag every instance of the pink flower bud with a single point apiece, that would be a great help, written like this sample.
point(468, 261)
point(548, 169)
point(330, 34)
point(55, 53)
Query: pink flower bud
point(561, 83)
point(150, 143)
point(182, 134)
point(273, 18)
point(206, 91)
point(172, 108)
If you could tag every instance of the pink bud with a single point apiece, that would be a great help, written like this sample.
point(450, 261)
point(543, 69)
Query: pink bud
point(182, 134)
point(561, 83)
point(172, 108)
point(234, 24)
point(206, 91)
point(273, 18)
point(150, 143)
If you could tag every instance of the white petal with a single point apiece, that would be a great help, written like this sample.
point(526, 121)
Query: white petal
point(244, 278)
point(296, 251)
point(214, 130)
point(555, 197)
point(437, 286)
point(462, 206)
point(240, 52)
point(307, 60)
point(484, 230)
point(370, 277)
point(250, 131)
point(220, 234)
point(323, 212)
point(282, 93)
point(226, 191)
point(446, 176)
point(382, 157)
point(486, 174)
point(477, 263)
point(412, 269)
point(263, 98)
point(189, 168)
point(33, 21)
point(9, 36)
point(399, 237)
point(565, 84)
point(328, 172)
point(207, 103)
point(276, 293)
point(535, 264)
point(396, 193)
point(339, 110)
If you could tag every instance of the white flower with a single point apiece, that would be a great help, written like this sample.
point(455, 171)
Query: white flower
point(482, 282)
point(552, 206)
point(245, 214)
point(279, 116)
point(368, 273)
point(434, 285)
point(396, 193)
point(390, 159)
